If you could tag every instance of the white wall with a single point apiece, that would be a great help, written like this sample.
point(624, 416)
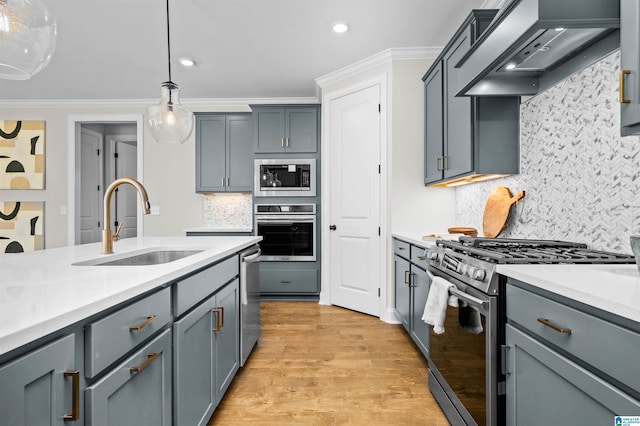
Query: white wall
point(169, 171)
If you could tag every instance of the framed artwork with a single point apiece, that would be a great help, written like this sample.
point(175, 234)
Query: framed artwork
point(22, 149)
point(21, 226)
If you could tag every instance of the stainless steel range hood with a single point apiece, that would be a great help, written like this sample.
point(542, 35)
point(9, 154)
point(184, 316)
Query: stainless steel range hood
point(532, 44)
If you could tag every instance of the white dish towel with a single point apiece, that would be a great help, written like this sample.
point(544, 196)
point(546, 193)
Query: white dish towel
point(435, 309)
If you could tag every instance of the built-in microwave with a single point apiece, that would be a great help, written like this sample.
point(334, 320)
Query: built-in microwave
point(285, 177)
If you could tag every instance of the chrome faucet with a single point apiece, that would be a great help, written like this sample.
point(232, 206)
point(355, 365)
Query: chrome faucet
point(107, 236)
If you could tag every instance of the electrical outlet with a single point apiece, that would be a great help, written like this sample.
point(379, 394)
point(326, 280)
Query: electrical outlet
point(155, 210)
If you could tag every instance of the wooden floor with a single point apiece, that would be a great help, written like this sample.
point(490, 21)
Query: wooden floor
point(324, 365)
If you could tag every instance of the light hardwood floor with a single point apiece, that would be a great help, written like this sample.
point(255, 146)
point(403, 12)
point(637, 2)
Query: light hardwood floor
point(324, 365)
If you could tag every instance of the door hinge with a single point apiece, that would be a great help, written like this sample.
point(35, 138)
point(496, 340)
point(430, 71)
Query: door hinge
point(379, 231)
point(115, 155)
point(378, 291)
point(98, 151)
point(98, 187)
point(98, 224)
point(504, 352)
point(502, 388)
point(379, 169)
point(379, 108)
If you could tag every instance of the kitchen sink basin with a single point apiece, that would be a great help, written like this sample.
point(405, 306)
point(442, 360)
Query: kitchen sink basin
point(145, 258)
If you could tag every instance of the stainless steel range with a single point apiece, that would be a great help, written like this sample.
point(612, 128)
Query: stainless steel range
point(464, 361)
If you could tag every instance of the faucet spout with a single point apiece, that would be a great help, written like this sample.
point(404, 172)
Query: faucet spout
point(107, 235)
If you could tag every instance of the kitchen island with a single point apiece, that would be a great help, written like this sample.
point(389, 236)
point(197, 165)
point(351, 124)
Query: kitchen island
point(82, 333)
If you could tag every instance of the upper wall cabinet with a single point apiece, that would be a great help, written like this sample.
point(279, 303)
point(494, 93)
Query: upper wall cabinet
point(280, 129)
point(466, 138)
point(630, 67)
point(224, 153)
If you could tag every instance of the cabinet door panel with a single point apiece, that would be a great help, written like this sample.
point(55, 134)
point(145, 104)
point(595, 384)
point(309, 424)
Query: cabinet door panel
point(458, 130)
point(193, 373)
point(419, 329)
point(227, 339)
point(434, 135)
point(302, 129)
point(544, 387)
point(630, 60)
point(239, 152)
point(33, 389)
point(210, 153)
point(268, 130)
point(402, 290)
point(123, 397)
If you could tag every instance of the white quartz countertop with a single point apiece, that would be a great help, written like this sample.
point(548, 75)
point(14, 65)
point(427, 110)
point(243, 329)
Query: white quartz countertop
point(42, 292)
point(417, 239)
point(612, 288)
point(205, 229)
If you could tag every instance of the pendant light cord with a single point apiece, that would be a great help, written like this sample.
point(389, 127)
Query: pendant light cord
point(168, 42)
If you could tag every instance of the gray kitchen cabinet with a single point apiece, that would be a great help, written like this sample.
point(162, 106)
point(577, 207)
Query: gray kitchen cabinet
point(630, 67)
point(564, 364)
point(412, 285)
point(290, 282)
point(285, 129)
point(38, 388)
point(466, 136)
point(137, 391)
point(206, 343)
point(224, 152)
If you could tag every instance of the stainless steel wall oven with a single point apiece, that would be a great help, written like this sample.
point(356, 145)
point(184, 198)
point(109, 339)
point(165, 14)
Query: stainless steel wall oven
point(288, 231)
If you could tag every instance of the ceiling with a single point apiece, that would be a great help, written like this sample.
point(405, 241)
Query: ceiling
point(117, 49)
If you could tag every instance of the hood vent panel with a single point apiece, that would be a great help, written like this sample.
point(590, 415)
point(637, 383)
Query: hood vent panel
point(532, 44)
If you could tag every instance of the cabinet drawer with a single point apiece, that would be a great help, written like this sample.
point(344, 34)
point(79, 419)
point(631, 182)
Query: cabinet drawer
point(111, 337)
point(197, 287)
point(401, 248)
point(289, 281)
point(135, 392)
point(419, 257)
point(601, 344)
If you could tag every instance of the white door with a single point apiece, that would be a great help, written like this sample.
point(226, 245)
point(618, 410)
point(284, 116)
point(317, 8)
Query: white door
point(90, 187)
point(124, 207)
point(354, 193)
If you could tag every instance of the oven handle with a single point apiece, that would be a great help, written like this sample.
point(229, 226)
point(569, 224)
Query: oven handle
point(281, 218)
point(470, 300)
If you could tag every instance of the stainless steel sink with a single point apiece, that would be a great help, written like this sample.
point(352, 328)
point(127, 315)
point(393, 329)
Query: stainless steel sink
point(145, 258)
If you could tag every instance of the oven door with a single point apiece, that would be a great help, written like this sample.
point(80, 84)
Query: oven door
point(287, 238)
point(463, 360)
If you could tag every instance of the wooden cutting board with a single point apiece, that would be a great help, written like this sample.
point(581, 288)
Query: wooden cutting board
point(496, 212)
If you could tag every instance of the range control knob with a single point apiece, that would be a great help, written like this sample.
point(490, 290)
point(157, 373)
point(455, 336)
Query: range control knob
point(433, 255)
point(479, 274)
point(471, 271)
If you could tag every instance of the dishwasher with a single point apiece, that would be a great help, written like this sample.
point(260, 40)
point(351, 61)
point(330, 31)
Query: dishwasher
point(249, 300)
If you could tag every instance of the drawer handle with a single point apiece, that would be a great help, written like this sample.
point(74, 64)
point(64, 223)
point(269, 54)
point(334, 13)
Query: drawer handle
point(623, 73)
point(557, 328)
point(407, 277)
point(219, 313)
point(150, 358)
point(75, 409)
point(285, 281)
point(149, 320)
point(421, 257)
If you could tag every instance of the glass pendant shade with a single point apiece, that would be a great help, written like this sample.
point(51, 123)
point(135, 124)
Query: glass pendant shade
point(168, 120)
point(27, 38)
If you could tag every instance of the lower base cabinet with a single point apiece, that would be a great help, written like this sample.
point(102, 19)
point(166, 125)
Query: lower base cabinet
point(421, 283)
point(206, 342)
point(545, 388)
point(136, 392)
point(302, 282)
point(37, 388)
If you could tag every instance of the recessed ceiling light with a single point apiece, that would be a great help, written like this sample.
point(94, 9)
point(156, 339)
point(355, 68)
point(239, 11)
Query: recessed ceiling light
point(187, 62)
point(340, 27)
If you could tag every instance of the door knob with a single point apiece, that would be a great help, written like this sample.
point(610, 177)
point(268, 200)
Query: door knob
point(333, 227)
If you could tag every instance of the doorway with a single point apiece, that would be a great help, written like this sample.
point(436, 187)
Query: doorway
point(102, 149)
point(353, 157)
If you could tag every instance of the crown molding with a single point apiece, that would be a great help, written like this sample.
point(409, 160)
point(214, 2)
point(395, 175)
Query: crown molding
point(143, 103)
point(386, 56)
point(493, 4)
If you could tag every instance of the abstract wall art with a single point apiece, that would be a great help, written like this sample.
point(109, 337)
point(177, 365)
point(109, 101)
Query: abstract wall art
point(21, 226)
point(22, 150)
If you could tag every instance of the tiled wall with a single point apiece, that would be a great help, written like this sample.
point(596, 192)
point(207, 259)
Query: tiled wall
point(228, 211)
point(582, 179)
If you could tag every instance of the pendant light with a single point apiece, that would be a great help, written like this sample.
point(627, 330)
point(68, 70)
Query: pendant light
point(27, 38)
point(168, 120)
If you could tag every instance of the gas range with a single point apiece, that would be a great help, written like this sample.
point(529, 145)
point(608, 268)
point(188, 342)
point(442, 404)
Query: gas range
point(473, 260)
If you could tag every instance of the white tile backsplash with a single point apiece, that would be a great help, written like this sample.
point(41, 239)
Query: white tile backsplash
point(580, 176)
point(228, 211)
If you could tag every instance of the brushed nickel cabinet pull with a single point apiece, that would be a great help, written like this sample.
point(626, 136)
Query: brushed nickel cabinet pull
point(438, 167)
point(149, 320)
point(222, 181)
point(282, 143)
point(150, 358)
point(285, 281)
point(287, 143)
point(557, 328)
point(228, 180)
point(75, 393)
point(623, 74)
point(216, 312)
point(406, 277)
